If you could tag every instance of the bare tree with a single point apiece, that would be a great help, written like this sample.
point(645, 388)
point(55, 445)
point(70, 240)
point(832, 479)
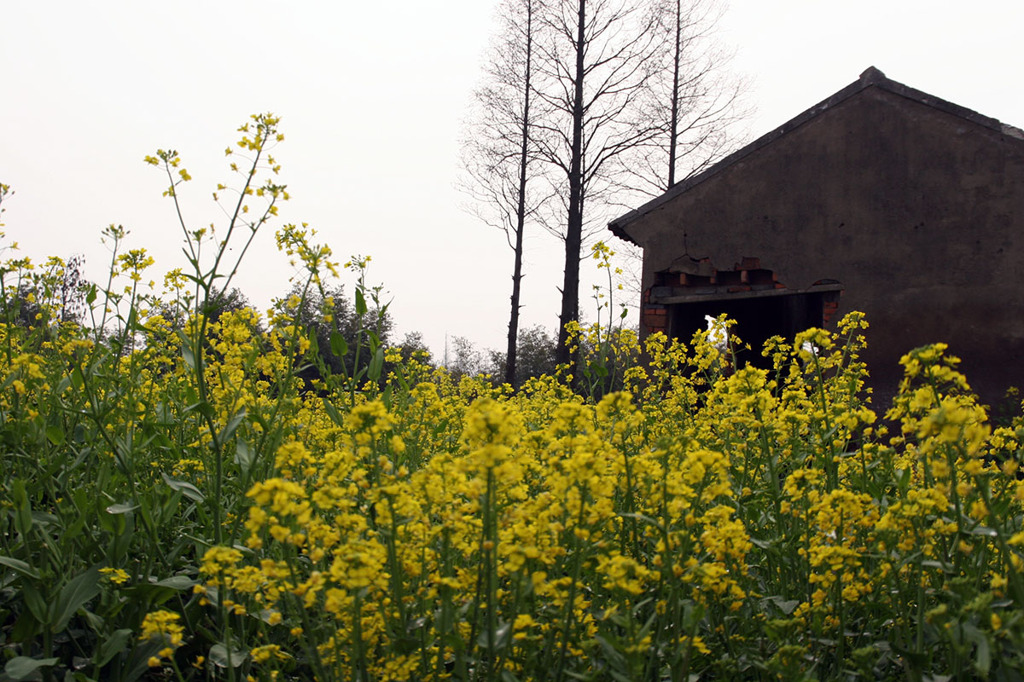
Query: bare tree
point(697, 102)
point(614, 97)
point(499, 149)
point(596, 61)
point(693, 95)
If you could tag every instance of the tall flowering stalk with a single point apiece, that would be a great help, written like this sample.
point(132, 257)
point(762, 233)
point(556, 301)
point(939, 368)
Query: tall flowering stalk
point(180, 504)
point(212, 274)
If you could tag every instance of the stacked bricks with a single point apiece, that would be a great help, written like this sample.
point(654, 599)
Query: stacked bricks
point(831, 308)
point(654, 317)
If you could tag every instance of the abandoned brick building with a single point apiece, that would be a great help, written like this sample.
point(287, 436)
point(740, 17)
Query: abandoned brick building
point(881, 199)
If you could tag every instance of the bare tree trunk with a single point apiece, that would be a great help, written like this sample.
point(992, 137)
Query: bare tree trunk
point(513, 320)
point(524, 156)
point(574, 226)
point(673, 132)
point(692, 97)
point(499, 148)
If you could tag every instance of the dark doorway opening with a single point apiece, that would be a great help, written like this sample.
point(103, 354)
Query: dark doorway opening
point(758, 318)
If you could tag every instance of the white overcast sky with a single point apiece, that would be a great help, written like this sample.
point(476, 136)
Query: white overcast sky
point(372, 98)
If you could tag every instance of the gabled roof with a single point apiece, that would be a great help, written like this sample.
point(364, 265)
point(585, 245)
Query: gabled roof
point(872, 77)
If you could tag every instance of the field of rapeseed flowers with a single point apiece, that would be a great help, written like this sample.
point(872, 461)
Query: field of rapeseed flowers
point(178, 503)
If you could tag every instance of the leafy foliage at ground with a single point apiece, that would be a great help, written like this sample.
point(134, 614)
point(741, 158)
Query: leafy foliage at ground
point(183, 499)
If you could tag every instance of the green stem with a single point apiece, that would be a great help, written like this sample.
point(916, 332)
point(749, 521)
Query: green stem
point(571, 599)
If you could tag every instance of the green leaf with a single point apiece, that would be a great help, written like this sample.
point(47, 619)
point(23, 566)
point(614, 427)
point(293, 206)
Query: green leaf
point(186, 351)
point(94, 622)
point(244, 457)
point(177, 582)
point(333, 413)
point(133, 318)
point(122, 508)
point(376, 365)
point(641, 517)
point(35, 602)
point(55, 434)
point(77, 378)
point(339, 346)
point(612, 654)
point(219, 656)
point(111, 646)
point(360, 303)
point(185, 488)
point(231, 427)
point(500, 637)
point(203, 407)
point(122, 459)
point(983, 655)
point(159, 592)
point(19, 566)
point(23, 667)
point(22, 507)
point(903, 480)
point(74, 596)
point(45, 520)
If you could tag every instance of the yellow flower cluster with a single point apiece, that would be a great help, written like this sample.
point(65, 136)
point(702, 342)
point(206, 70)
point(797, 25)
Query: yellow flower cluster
point(676, 516)
point(467, 516)
point(162, 627)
